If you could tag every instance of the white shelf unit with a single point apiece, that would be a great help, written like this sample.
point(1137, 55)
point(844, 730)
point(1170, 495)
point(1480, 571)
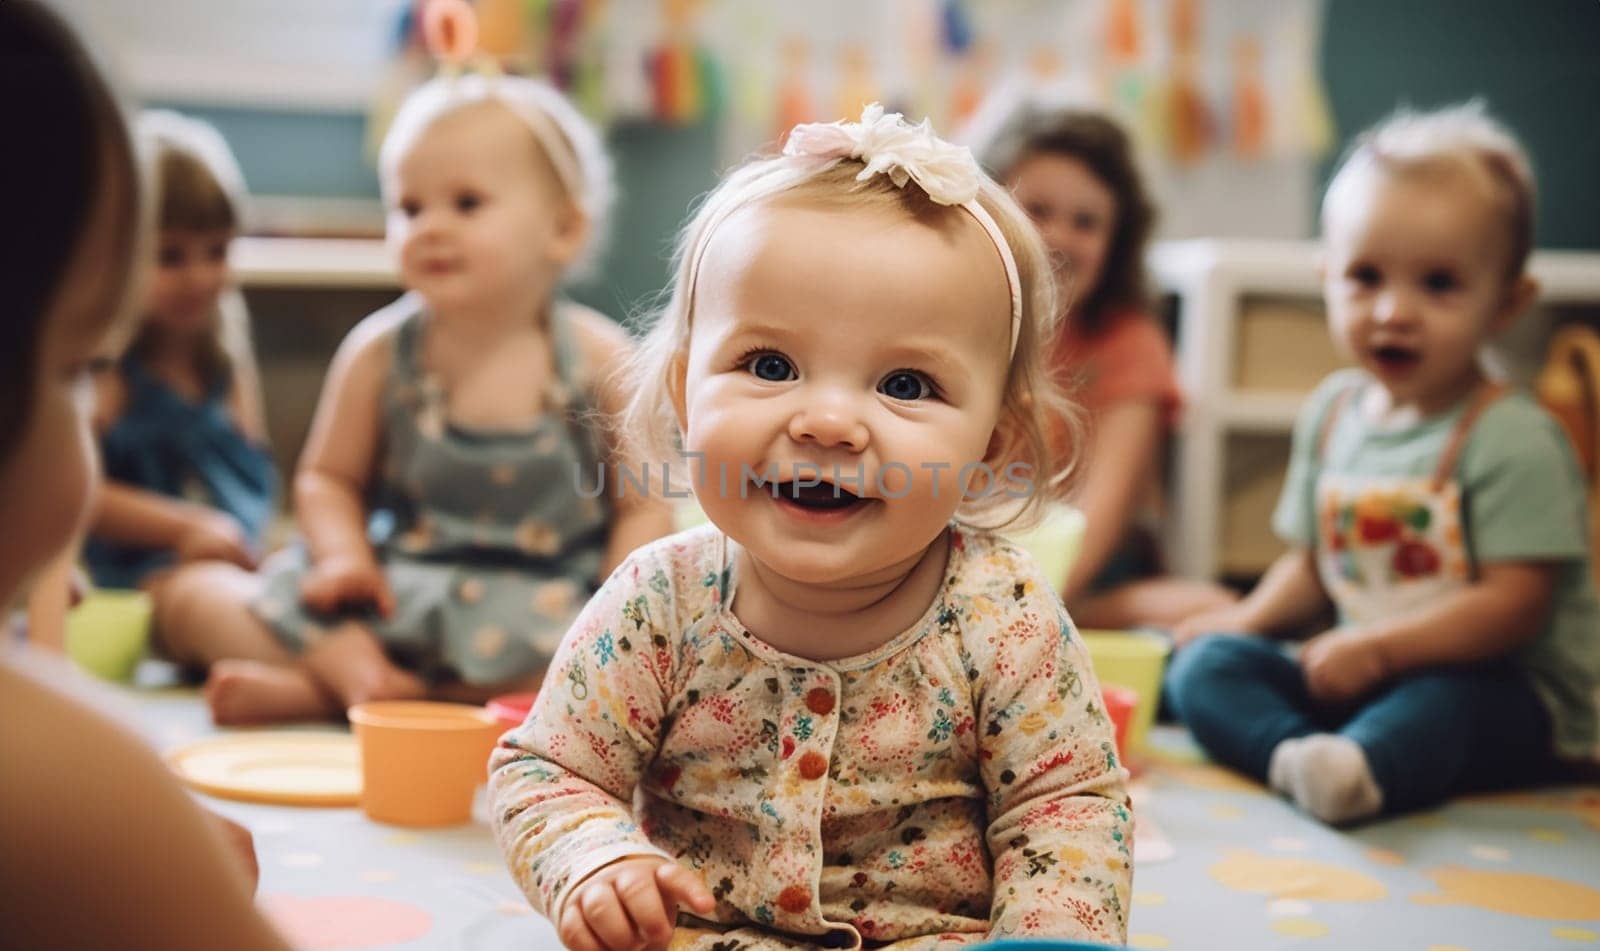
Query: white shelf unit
point(313, 263)
point(1211, 280)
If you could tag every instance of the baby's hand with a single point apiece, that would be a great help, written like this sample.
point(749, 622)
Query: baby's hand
point(344, 580)
point(1233, 619)
point(1341, 665)
point(215, 536)
point(243, 844)
point(631, 905)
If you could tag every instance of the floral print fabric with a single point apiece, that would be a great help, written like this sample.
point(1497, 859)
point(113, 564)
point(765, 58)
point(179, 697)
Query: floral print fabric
point(490, 541)
point(1388, 545)
point(956, 783)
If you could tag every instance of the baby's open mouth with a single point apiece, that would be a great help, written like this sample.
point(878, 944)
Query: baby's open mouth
point(439, 266)
point(1392, 357)
point(823, 496)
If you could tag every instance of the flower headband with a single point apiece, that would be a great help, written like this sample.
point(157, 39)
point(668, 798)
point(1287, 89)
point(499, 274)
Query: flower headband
point(891, 146)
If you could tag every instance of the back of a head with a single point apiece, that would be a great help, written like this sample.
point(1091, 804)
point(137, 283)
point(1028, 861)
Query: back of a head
point(74, 150)
point(569, 143)
point(1459, 140)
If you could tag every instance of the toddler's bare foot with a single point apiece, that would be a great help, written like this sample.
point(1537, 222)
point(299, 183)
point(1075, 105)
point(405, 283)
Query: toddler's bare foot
point(241, 692)
point(352, 666)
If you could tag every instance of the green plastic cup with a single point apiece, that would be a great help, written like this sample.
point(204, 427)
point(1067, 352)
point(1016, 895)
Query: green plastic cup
point(108, 633)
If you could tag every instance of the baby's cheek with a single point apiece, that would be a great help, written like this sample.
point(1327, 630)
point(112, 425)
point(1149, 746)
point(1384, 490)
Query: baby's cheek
point(936, 472)
point(45, 488)
point(79, 472)
point(726, 435)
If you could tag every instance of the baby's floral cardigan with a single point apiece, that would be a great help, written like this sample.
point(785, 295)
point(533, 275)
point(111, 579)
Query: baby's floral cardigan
point(955, 784)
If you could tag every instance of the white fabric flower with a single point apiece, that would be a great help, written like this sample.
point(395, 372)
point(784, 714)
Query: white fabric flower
point(890, 145)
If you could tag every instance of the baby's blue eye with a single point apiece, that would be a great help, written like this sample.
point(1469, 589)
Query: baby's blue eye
point(771, 367)
point(905, 385)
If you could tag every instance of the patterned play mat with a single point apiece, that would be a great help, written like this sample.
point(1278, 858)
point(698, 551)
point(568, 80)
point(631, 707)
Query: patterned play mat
point(1221, 865)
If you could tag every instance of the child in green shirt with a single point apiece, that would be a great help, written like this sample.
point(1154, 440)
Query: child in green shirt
point(1442, 515)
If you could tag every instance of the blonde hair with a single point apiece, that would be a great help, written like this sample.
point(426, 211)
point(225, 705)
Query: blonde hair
point(1032, 402)
point(569, 145)
point(199, 188)
point(1461, 138)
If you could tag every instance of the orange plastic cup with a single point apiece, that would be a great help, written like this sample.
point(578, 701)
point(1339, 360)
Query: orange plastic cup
point(422, 761)
point(1120, 704)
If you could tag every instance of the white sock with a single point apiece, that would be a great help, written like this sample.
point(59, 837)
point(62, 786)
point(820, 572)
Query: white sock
point(1326, 775)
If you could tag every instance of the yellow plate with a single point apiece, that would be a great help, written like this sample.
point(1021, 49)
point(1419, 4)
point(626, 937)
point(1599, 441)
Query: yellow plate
point(280, 768)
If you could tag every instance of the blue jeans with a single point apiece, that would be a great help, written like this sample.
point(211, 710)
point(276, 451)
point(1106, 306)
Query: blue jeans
point(1429, 735)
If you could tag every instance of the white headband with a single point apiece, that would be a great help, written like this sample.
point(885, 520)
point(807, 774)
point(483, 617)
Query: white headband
point(891, 146)
point(519, 98)
point(529, 100)
point(164, 129)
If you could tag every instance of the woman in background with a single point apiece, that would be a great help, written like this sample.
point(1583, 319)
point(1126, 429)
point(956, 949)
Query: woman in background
point(1075, 175)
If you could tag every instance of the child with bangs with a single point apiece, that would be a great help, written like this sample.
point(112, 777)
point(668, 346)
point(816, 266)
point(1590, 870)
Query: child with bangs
point(182, 433)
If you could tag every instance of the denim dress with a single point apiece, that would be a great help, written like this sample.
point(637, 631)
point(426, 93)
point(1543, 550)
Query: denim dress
point(491, 541)
point(173, 446)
